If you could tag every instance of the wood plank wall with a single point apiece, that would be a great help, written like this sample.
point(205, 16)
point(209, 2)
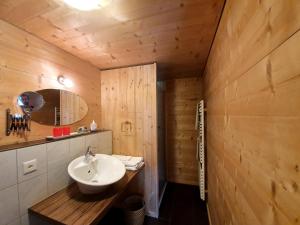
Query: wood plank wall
point(128, 108)
point(29, 64)
point(182, 96)
point(252, 90)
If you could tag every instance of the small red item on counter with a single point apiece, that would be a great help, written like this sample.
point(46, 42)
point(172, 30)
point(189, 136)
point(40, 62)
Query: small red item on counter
point(66, 131)
point(57, 132)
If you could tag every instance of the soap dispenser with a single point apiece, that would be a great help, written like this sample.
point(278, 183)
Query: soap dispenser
point(93, 126)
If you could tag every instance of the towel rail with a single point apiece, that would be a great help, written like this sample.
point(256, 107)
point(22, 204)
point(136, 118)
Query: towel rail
point(201, 147)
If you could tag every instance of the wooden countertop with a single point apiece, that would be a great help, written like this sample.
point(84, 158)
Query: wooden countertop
point(69, 206)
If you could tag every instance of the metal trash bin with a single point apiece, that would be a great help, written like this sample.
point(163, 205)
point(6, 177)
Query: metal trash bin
point(134, 210)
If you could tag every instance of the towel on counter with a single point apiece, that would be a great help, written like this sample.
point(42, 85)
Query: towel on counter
point(135, 167)
point(123, 157)
point(130, 162)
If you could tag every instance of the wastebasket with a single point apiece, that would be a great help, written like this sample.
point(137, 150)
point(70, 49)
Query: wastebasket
point(134, 210)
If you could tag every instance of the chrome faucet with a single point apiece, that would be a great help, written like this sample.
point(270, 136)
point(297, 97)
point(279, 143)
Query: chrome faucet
point(89, 153)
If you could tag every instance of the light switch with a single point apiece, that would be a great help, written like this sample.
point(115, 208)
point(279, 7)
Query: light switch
point(29, 166)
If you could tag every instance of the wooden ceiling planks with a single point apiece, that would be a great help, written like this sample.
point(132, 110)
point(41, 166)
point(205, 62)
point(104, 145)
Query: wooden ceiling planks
point(177, 34)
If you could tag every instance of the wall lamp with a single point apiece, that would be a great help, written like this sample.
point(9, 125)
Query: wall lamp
point(64, 81)
point(87, 5)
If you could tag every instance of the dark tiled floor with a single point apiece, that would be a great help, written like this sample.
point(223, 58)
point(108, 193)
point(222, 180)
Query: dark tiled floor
point(181, 205)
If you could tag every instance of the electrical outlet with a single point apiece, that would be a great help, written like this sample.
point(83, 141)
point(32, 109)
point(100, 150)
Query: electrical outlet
point(29, 166)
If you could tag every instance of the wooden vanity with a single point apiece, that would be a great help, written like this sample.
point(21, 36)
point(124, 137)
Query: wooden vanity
point(69, 206)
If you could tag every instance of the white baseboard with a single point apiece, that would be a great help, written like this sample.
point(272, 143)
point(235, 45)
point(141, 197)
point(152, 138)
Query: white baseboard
point(208, 213)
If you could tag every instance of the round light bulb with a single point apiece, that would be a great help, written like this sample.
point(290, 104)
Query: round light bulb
point(68, 83)
point(87, 5)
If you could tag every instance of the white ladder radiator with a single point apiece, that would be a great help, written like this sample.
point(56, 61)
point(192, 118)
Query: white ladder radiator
point(200, 147)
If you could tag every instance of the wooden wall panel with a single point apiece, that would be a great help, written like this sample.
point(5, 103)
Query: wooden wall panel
point(252, 90)
point(182, 96)
point(29, 64)
point(128, 108)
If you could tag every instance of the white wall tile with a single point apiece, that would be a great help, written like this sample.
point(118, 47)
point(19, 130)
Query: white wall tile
point(77, 147)
point(28, 219)
point(25, 219)
point(15, 222)
point(102, 141)
point(9, 206)
point(37, 152)
point(105, 142)
point(8, 169)
point(58, 159)
point(57, 154)
point(58, 179)
point(93, 141)
point(31, 192)
point(107, 151)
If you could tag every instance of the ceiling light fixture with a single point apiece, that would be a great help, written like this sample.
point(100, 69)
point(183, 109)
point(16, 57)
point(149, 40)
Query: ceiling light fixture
point(87, 5)
point(64, 81)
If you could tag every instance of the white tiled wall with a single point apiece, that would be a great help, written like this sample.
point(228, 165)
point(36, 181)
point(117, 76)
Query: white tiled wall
point(105, 143)
point(102, 143)
point(18, 192)
point(32, 191)
point(37, 152)
point(8, 169)
point(77, 146)
point(9, 207)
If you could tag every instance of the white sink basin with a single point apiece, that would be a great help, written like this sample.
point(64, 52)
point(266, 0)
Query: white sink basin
point(97, 173)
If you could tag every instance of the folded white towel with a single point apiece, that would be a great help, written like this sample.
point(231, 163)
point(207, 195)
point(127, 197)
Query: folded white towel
point(134, 161)
point(123, 157)
point(135, 167)
point(130, 161)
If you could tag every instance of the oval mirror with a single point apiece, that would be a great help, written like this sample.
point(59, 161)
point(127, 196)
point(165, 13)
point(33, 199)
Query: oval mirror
point(60, 108)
